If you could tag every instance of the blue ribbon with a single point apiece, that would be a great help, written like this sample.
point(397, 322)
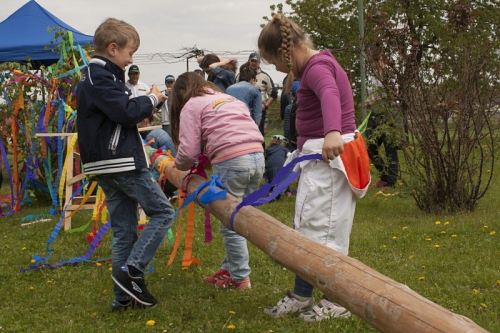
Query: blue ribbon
point(280, 182)
point(212, 194)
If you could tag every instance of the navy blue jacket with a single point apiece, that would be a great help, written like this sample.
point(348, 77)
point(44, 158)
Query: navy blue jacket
point(107, 120)
point(276, 156)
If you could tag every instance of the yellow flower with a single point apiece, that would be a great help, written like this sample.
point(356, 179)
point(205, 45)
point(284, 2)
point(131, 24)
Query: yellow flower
point(428, 239)
point(423, 267)
point(231, 327)
point(394, 237)
point(437, 246)
point(498, 282)
point(98, 264)
point(184, 268)
point(493, 232)
point(404, 228)
point(384, 246)
point(105, 291)
point(32, 261)
point(232, 312)
point(411, 257)
point(485, 227)
point(150, 323)
point(110, 269)
point(94, 314)
point(484, 305)
point(49, 281)
point(438, 222)
point(443, 232)
point(32, 288)
point(421, 278)
point(475, 291)
point(24, 248)
point(453, 235)
point(446, 223)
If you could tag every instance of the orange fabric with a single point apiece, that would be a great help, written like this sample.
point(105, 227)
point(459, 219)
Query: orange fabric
point(187, 260)
point(179, 233)
point(356, 162)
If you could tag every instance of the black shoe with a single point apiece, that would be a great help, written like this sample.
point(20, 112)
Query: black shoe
point(124, 305)
point(135, 287)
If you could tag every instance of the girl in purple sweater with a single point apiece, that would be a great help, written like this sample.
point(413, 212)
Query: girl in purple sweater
point(327, 190)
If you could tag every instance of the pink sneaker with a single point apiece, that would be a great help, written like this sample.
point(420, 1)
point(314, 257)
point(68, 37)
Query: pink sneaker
point(230, 283)
point(219, 275)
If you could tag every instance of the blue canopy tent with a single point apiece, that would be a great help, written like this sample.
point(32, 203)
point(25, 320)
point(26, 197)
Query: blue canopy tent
point(25, 34)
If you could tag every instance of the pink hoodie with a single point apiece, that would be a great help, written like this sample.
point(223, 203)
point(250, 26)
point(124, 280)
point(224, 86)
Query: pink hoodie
point(221, 124)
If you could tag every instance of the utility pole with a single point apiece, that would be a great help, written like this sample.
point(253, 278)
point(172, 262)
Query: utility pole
point(362, 57)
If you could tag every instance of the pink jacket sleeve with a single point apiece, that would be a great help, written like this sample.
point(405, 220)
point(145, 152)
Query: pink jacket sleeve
point(190, 133)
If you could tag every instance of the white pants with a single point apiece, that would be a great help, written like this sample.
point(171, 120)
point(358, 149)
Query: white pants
point(325, 205)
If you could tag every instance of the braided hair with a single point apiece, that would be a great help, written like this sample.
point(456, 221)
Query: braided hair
point(277, 41)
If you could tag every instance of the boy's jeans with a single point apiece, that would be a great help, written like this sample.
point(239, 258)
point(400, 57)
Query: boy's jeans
point(240, 176)
point(124, 191)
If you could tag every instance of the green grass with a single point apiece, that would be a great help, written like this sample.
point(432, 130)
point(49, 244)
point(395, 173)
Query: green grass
point(389, 235)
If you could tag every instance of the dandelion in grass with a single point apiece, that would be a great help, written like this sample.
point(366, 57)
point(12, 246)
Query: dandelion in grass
point(94, 314)
point(49, 281)
point(438, 222)
point(475, 291)
point(404, 228)
point(428, 239)
point(32, 288)
point(443, 232)
point(498, 282)
point(150, 323)
point(231, 327)
point(232, 312)
point(411, 257)
point(184, 268)
point(447, 223)
point(105, 291)
point(437, 246)
point(454, 235)
point(98, 264)
point(32, 261)
point(421, 278)
point(384, 246)
point(485, 227)
point(394, 237)
point(493, 233)
point(24, 248)
point(484, 305)
point(423, 267)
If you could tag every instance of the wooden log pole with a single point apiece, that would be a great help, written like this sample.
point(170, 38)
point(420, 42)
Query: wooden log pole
point(387, 305)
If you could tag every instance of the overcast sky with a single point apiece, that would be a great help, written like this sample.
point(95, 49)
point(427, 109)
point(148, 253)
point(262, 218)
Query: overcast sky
point(169, 26)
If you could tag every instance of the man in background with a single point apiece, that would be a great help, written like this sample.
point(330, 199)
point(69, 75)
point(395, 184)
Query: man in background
point(266, 86)
point(137, 87)
point(165, 120)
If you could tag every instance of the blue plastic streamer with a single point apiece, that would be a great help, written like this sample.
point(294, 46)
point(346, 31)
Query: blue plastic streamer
point(212, 194)
point(284, 177)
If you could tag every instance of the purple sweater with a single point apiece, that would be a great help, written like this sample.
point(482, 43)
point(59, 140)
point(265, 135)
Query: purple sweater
point(325, 99)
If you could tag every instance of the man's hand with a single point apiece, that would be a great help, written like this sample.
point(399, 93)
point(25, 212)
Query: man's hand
point(333, 146)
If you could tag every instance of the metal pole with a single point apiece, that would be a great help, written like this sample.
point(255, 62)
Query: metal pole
point(362, 58)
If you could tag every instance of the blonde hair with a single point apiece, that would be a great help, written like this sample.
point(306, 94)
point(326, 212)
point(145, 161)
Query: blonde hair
point(277, 41)
point(114, 31)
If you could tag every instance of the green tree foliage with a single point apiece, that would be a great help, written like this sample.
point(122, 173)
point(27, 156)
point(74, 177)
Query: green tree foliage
point(441, 70)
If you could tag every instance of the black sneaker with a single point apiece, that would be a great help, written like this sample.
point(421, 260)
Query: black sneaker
point(124, 305)
point(135, 287)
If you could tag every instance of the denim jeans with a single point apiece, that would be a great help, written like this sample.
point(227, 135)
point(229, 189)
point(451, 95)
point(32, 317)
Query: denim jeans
point(240, 176)
point(124, 191)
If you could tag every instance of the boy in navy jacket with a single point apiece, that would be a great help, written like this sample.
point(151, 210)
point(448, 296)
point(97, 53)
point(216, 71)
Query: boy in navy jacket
point(112, 151)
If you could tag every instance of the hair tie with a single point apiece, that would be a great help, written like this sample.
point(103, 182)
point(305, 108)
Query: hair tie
point(290, 66)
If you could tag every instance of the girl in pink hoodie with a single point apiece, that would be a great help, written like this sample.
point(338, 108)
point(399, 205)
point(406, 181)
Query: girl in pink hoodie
point(203, 116)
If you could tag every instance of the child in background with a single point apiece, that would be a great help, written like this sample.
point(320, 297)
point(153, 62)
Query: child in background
point(327, 190)
point(202, 115)
point(276, 155)
point(112, 150)
point(220, 71)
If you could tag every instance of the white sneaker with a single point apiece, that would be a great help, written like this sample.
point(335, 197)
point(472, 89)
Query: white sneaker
point(289, 304)
point(325, 310)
